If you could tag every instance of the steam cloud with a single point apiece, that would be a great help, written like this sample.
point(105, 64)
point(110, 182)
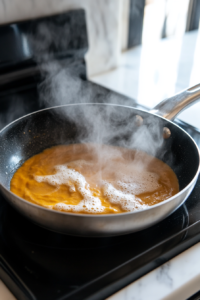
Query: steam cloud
point(64, 83)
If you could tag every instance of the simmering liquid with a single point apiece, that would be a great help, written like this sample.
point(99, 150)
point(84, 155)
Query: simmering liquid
point(98, 179)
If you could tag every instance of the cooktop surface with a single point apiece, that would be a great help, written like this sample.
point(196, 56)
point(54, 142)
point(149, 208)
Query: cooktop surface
point(39, 264)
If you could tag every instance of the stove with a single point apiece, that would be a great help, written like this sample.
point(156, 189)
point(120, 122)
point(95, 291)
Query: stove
point(38, 264)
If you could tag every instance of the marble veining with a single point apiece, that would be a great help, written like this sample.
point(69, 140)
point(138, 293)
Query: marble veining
point(103, 20)
point(153, 72)
point(177, 279)
point(146, 75)
point(163, 276)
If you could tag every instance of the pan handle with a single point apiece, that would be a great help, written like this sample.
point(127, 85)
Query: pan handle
point(171, 107)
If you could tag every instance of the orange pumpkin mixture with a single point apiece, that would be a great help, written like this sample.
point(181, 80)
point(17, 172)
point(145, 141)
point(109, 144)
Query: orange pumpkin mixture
point(89, 178)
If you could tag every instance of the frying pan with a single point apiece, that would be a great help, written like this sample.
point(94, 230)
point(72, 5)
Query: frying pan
point(92, 122)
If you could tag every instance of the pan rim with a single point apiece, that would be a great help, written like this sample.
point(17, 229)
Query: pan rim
point(81, 215)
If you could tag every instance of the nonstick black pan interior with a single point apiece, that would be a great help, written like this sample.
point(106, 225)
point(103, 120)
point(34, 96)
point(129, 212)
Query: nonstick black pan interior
point(101, 123)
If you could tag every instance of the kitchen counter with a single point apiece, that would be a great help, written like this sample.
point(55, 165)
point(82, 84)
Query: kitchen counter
point(177, 279)
point(149, 74)
point(153, 72)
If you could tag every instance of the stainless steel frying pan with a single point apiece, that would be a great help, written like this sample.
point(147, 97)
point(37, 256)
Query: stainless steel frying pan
point(68, 124)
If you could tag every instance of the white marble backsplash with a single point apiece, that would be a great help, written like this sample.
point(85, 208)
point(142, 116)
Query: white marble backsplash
point(153, 72)
point(103, 20)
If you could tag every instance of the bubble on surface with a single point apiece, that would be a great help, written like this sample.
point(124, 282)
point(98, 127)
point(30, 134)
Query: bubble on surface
point(139, 182)
point(127, 201)
point(122, 192)
point(70, 177)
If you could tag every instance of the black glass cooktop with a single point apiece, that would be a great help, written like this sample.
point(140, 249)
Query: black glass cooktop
point(39, 264)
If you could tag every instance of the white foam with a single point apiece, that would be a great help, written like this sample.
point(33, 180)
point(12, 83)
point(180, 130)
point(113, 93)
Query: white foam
point(90, 204)
point(125, 193)
point(139, 183)
point(74, 180)
point(128, 202)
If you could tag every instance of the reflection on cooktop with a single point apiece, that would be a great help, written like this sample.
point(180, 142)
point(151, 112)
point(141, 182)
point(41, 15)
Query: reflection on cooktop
point(63, 255)
point(30, 234)
point(41, 264)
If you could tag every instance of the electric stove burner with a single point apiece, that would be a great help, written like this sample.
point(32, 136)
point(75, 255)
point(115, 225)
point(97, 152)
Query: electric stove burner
point(38, 264)
point(48, 262)
point(26, 235)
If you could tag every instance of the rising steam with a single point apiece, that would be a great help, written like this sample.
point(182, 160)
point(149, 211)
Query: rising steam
point(64, 82)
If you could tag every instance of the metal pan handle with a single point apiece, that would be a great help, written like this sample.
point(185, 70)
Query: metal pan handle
point(171, 107)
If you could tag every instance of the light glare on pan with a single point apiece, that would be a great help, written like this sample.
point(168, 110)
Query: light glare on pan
point(14, 159)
